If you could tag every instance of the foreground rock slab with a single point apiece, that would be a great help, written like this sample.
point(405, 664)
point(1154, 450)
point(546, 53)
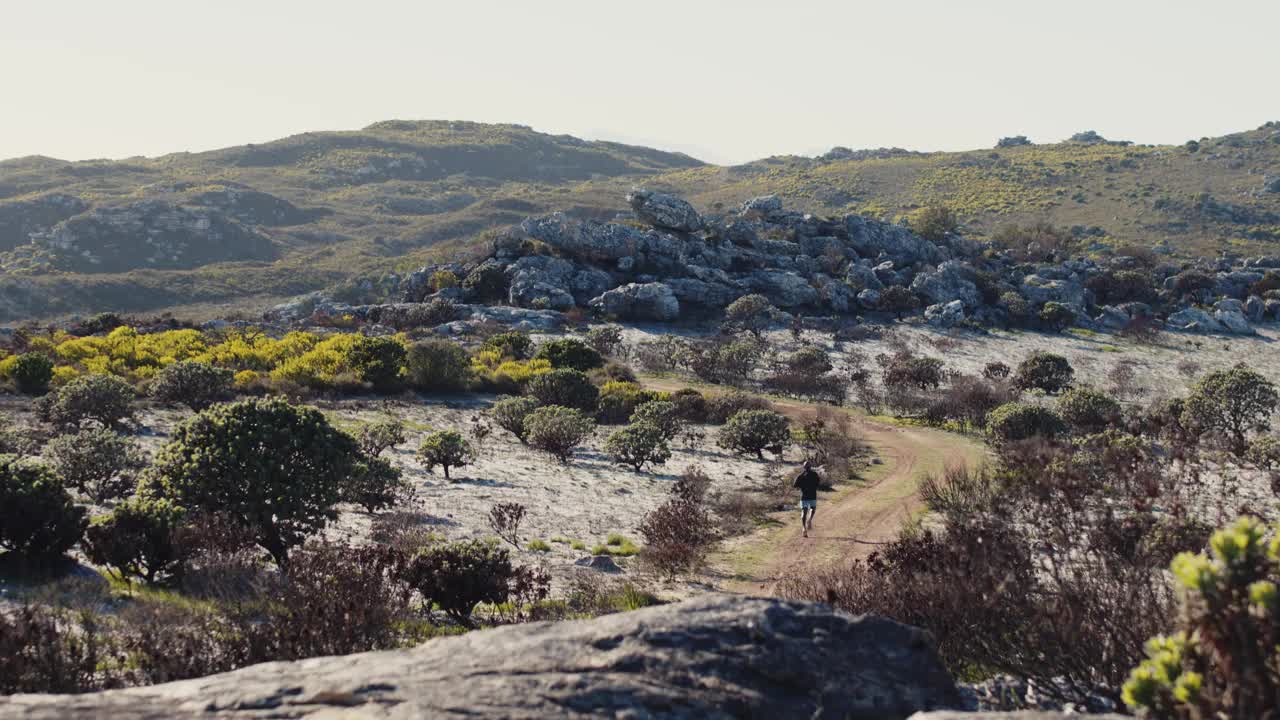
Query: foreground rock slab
point(714, 657)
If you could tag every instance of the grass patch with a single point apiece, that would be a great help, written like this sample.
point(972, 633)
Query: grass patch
point(616, 545)
point(539, 546)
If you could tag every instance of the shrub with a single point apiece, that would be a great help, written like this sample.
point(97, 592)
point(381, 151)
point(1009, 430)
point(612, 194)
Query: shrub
point(377, 361)
point(1087, 410)
point(691, 405)
point(1192, 281)
point(1232, 402)
point(995, 371)
point(510, 413)
point(565, 387)
point(446, 448)
point(1044, 371)
point(749, 313)
point(722, 406)
point(52, 650)
point(194, 384)
point(105, 399)
point(514, 345)
point(961, 493)
point(968, 400)
point(38, 519)
point(504, 519)
point(439, 366)
point(730, 362)
point(619, 400)
point(557, 430)
point(570, 353)
point(32, 373)
point(506, 376)
point(1121, 286)
point(1056, 316)
point(638, 444)
point(605, 339)
point(95, 461)
point(375, 484)
point(921, 373)
point(460, 575)
point(443, 279)
point(1016, 421)
point(377, 437)
point(754, 431)
point(488, 281)
point(613, 371)
point(138, 539)
point(1222, 661)
point(897, 300)
point(1264, 452)
point(276, 469)
point(933, 223)
point(678, 533)
point(660, 414)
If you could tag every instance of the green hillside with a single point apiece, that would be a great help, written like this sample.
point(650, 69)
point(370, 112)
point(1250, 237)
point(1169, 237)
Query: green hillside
point(249, 224)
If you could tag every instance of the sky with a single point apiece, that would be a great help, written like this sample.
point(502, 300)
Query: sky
point(726, 81)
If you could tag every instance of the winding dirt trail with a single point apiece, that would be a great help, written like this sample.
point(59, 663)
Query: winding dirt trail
point(851, 521)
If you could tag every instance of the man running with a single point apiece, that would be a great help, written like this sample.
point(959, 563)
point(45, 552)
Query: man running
point(808, 481)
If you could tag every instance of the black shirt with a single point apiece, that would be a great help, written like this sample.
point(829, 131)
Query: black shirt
point(808, 482)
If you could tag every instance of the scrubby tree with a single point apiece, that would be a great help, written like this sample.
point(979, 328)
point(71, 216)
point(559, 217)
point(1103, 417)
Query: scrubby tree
point(565, 387)
point(104, 399)
point(605, 339)
point(570, 353)
point(460, 575)
point(754, 431)
point(661, 414)
point(276, 469)
point(96, 461)
point(898, 300)
point(194, 384)
point(139, 539)
point(922, 373)
point(514, 344)
point(637, 445)
point(510, 413)
point(1056, 316)
point(934, 222)
point(375, 484)
point(1234, 402)
point(749, 313)
point(1044, 371)
point(446, 448)
point(1016, 421)
point(32, 373)
point(378, 361)
point(1088, 410)
point(38, 519)
point(439, 366)
point(557, 430)
point(377, 437)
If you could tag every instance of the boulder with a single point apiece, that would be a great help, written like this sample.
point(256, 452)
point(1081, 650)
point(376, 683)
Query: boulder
point(869, 299)
point(863, 277)
point(764, 206)
point(951, 281)
point(835, 294)
point(1271, 184)
point(664, 211)
point(1273, 308)
point(1234, 321)
point(1112, 318)
point(783, 289)
point(1235, 283)
point(591, 241)
point(1039, 290)
point(639, 301)
point(540, 281)
point(874, 239)
point(1193, 320)
point(945, 316)
point(701, 292)
point(602, 563)
point(718, 656)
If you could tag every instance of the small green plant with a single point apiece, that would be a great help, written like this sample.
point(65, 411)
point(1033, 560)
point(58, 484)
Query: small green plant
point(565, 387)
point(104, 399)
point(510, 413)
point(571, 354)
point(139, 539)
point(539, 546)
point(194, 384)
point(558, 430)
point(38, 519)
point(446, 448)
point(637, 445)
point(616, 545)
point(32, 373)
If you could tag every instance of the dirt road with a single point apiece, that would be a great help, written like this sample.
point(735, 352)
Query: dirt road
point(854, 519)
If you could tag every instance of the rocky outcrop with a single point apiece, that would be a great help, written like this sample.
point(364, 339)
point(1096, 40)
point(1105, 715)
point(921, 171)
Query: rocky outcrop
point(945, 316)
point(639, 301)
point(664, 211)
point(950, 282)
point(715, 657)
point(20, 219)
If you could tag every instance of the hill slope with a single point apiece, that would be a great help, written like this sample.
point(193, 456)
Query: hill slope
point(258, 222)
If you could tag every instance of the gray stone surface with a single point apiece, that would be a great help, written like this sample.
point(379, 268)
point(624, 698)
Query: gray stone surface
point(639, 301)
point(664, 211)
point(716, 657)
point(949, 282)
point(945, 315)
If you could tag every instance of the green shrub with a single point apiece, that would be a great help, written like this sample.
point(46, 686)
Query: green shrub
point(510, 413)
point(47, 649)
point(194, 384)
point(933, 223)
point(557, 430)
point(1044, 371)
point(32, 373)
point(570, 353)
point(618, 400)
point(138, 539)
point(637, 445)
point(565, 387)
point(1233, 403)
point(439, 366)
point(691, 405)
point(1016, 421)
point(276, 469)
point(539, 546)
point(378, 361)
point(105, 399)
point(488, 281)
point(754, 431)
point(1087, 410)
point(922, 373)
point(1264, 452)
point(38, 519)
point(722, 406)
point(375, 484)
point(460, 575)
point(377, 437)
point(515, 345)
point(446, 448)
point(95, 461)
point(749, 313)
point(604, 339)
point(1056, 316)
point(897, 300)
point(662, 415)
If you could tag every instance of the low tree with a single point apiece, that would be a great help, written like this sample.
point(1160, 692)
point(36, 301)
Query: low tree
point(104, 399)
point(460, 575)
point(605, 339)
point(565, 387)
point(754, 431)
point(898, 300)
point(139, 539)
point(661, 414)
point(570, 353)
point(749, 313)
point(96, 461)
point(1044, 371)
point(377, 437)
point(1088, 410)
point(375, 484)
point(378, 361)
point(921, 373)
point(934, 222)
point(439, 366)
point(194, 384)
point(637, 445)
point(505, 519)
point(510, 413)
point(275, 469)
point(32, 373)
point(38, 519)
point(1234, 402)
point(557, 430)
point(446, 448)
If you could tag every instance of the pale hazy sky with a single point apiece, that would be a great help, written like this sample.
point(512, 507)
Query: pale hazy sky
point(727, 81)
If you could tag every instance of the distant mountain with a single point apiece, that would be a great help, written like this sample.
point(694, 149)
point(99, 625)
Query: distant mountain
point(253, 223)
